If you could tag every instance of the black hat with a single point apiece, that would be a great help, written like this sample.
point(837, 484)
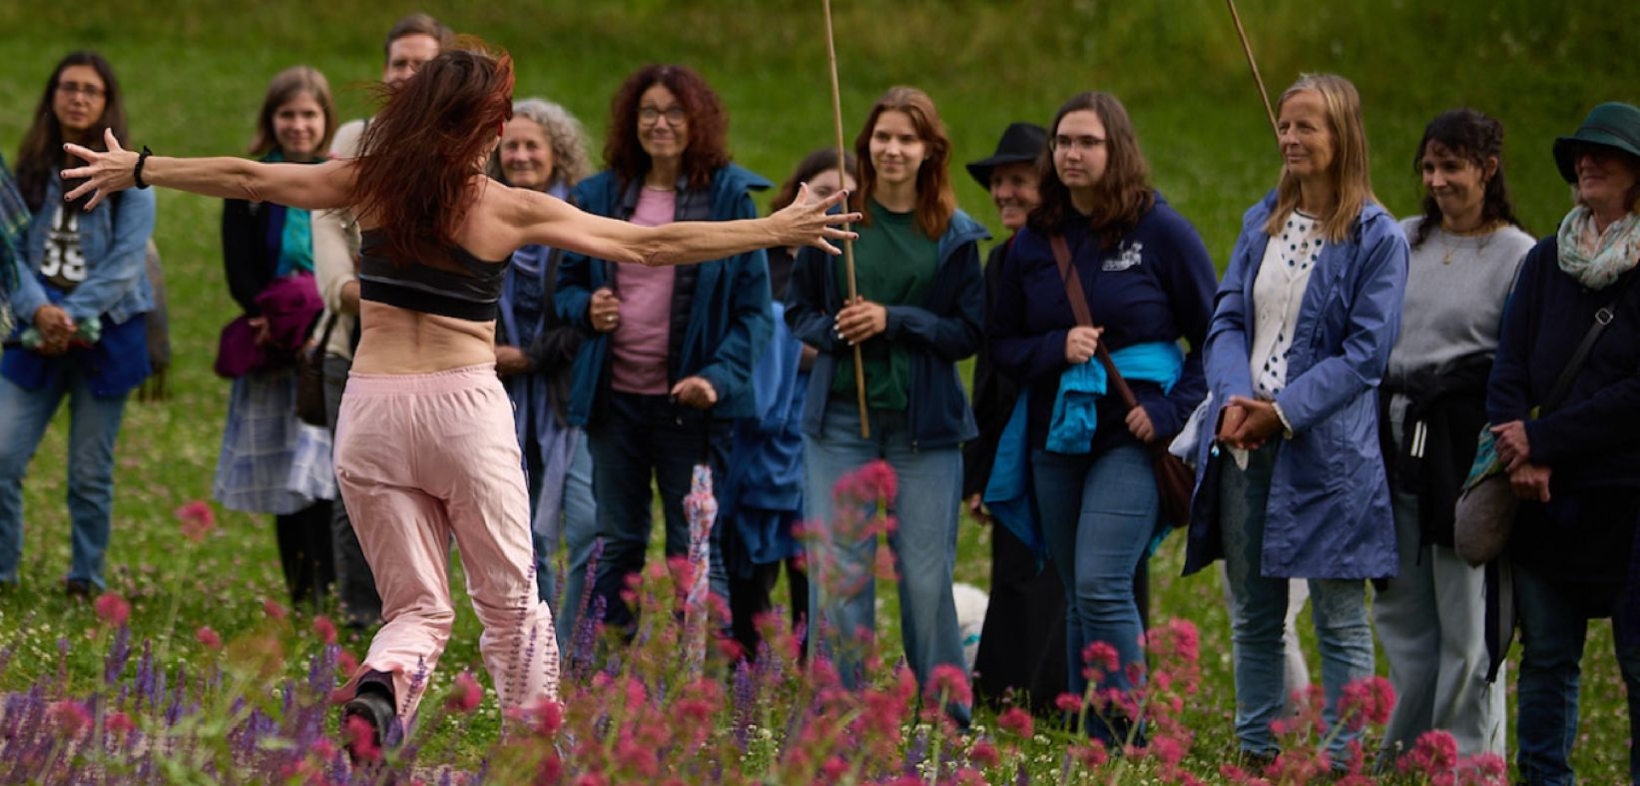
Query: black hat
point(1021, 142)
point(1612, 124)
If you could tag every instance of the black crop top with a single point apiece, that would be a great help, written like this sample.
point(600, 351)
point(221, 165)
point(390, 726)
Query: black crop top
point(460, 285)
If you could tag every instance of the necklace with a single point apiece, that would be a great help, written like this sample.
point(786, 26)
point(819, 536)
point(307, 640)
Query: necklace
point(1484, 231)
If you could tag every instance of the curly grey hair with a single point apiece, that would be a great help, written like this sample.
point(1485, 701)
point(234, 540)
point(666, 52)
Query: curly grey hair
point(570, 164)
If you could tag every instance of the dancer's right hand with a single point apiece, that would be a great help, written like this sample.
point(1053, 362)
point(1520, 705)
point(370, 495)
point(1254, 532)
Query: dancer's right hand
point(806, 223)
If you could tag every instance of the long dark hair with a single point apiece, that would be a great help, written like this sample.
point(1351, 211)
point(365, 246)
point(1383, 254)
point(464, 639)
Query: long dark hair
point(822, 160)
point(1471, 135)
point(708, 148)
point(42, 149)
point(421, 152)
point(1121, 196)
point(936, 200)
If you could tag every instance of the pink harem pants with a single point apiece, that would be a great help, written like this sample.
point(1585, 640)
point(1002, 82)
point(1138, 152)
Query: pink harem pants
point(420, 459)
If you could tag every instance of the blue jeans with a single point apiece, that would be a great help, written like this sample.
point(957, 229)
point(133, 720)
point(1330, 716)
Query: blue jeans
point(842, 594)
point(1554, 621)
point(93, 426)
point(1258, 617)
point(1098, 515)
point(643, 436)
point(580, 533)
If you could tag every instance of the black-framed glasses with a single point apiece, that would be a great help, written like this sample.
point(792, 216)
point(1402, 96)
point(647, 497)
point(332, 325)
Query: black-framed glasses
point(75, 88)
point(649, 115)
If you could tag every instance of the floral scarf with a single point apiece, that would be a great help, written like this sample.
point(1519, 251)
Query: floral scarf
point(1593, 257)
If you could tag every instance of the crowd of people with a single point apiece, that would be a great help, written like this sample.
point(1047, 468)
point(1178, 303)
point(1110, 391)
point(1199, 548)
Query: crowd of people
point(512, 375)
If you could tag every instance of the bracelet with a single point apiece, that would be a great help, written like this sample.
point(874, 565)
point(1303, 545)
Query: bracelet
point(136, 173)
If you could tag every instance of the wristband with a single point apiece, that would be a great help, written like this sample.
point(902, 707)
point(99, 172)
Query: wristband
point(136, 173)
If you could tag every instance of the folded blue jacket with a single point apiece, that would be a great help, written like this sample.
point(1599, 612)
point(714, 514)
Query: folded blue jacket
point(1075, 408)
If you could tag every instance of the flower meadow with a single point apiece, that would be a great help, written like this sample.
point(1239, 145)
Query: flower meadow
point(262, 707)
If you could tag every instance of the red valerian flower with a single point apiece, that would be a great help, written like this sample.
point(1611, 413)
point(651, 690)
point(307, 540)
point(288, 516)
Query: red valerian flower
point(208, 637)
point(1018, 721)
point(112, 609)
point(197, 520)
point(466, 696)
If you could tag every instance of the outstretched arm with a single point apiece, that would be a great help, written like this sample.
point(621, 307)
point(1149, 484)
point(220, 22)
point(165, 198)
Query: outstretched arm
point(313, 187)
point(552, 222)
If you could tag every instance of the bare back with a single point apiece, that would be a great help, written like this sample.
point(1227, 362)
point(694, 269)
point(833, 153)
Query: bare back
point(394, 340)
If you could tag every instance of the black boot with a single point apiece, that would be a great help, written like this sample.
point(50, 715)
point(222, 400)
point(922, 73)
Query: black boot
point(373, 702)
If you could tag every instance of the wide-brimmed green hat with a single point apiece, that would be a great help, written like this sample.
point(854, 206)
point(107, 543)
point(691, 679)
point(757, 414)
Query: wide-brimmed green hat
point(1612, 124)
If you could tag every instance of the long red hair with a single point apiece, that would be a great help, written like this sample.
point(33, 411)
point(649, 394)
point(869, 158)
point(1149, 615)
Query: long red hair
point(936, 200)
point(420, 154)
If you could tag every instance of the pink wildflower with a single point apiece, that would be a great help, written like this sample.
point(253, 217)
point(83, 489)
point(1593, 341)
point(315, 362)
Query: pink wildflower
point(949, 683)
point(361, 738)
point(1068, 702)
point(1167, 750)
point(549, 717)
point(1367, 700)
point(324, 629)
point(273, 609)
point(985, 754)
point(1018, 721)
point(113, 609)
point(70, 717)
point(1092, 754)
point(346, 662)
point(197, 520)
point(1435, 754)
point(118, 723)
point(208, 637)
point(1100, 654)
point(466, 695)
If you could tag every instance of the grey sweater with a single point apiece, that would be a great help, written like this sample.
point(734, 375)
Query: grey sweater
point(1456, 290)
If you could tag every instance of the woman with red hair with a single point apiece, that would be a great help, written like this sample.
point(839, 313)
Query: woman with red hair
point(425, 447)
point(920, 309)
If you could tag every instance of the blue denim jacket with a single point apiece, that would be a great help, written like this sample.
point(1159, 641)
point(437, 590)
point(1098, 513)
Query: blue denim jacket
point(114, 239)
point(1329, 506)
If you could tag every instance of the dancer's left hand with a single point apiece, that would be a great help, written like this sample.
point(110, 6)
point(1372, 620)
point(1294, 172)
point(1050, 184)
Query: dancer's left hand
point(105, 173)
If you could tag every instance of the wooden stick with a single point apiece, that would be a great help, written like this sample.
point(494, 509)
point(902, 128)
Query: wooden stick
point(848, 245)
point(1253, 64)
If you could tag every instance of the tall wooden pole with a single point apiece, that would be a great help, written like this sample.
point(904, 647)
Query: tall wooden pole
point(1253, 64)
point(848, 245)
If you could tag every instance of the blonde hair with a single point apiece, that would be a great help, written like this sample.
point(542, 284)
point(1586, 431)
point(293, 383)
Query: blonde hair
point(1351, 179)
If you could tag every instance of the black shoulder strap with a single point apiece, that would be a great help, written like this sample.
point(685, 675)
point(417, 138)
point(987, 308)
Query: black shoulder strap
point(1602, 318)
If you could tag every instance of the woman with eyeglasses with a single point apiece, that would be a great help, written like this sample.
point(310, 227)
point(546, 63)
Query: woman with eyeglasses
point(1148, 284)
point(80, 302)
point(667, 365)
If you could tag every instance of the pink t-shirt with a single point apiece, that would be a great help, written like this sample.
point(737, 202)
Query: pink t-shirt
point(640, 340)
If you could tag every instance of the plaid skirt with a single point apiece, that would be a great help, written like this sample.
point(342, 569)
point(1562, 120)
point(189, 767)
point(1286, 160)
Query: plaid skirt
point(271, 462)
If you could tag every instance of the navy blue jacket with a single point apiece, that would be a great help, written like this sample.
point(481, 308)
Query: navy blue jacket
point(945, 328)
point(1589, 440)
point(1156, 284)
point(729, 322)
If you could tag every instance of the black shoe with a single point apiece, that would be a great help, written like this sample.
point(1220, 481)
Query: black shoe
point(376, 708)
point(77, 588)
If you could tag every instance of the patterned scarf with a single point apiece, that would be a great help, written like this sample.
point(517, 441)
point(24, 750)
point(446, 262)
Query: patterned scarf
point(1593, 257)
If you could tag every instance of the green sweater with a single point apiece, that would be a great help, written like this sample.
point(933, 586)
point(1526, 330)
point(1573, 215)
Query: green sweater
point(893, 265)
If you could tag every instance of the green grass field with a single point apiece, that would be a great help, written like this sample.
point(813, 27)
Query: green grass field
point(194, 73)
